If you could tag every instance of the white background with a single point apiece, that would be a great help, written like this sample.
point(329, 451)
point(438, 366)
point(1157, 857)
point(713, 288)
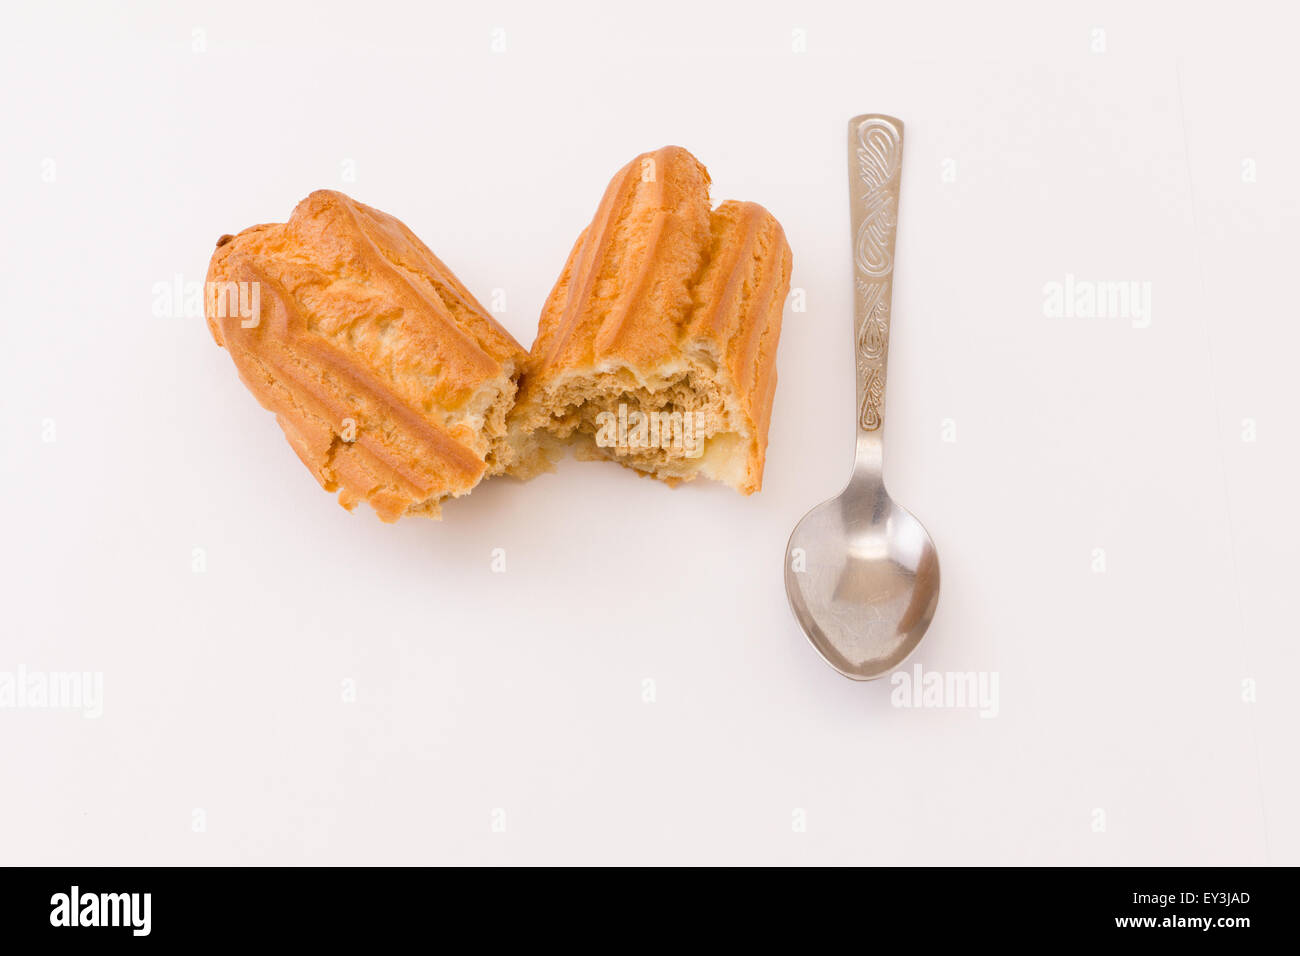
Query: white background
point(1120, 691)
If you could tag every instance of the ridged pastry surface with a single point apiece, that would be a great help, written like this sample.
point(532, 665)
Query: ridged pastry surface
point(389, 379)
point(663, 292)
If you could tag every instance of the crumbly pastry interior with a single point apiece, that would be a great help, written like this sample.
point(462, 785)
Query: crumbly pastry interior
point(388, 378)
point(657, 346)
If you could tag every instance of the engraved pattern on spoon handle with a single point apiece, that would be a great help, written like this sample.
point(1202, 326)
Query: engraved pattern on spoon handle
point(875, 166)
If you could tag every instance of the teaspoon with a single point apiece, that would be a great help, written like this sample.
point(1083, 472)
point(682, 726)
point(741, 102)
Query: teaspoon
point(861, 572)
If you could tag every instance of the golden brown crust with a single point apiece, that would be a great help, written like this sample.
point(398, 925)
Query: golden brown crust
point(631, 272)
point(738, 304)
point(382, 369)
point(668, 294)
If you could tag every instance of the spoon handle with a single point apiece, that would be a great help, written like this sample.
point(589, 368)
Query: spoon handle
point(875, 166)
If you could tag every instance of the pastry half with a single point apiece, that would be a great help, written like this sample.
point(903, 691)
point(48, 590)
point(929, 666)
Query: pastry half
point(389, 379)
point(657, 346)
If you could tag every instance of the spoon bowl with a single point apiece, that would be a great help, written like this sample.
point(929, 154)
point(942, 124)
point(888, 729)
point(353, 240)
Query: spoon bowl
point(862, 575)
